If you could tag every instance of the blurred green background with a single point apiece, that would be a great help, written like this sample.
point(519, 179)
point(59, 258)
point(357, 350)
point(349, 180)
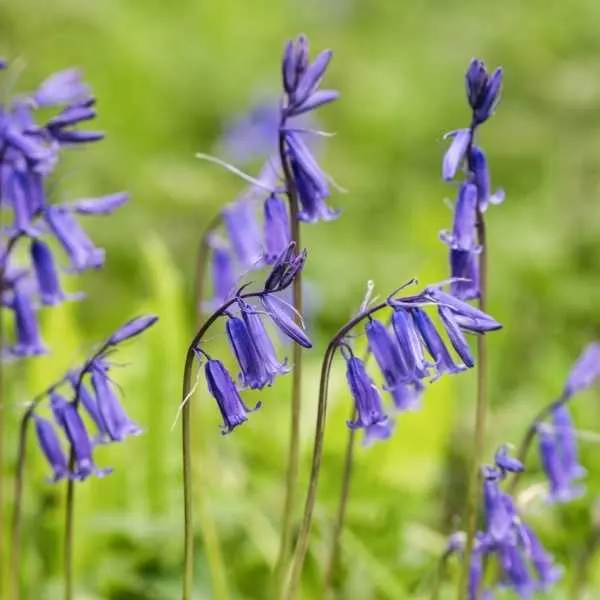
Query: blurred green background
point(169, 76)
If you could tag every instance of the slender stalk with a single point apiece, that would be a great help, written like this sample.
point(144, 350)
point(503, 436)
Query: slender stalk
point(343, 504)
point(188, 522)
point(291, 482)
point(18, 508)
point(292, 586)
point(213, 552)
point(16, 526)
point(480, 414)
point(341, 514)
point(439, 574)
point(69, 528)
point(3, 562)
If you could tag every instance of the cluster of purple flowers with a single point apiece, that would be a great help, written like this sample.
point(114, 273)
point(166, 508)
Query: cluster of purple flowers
point(102, 406)
point(525, 565)
point(474, 194)
point(250, 342)
point(557, 441)
point(249, 245)
point(29, 152)
point(408, 352)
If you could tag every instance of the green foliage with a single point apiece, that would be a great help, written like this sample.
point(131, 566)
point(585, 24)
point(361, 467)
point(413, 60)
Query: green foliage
point(168, 75)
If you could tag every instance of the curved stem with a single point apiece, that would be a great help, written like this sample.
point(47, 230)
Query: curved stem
point(16, 525)
point(291, 482)
point(344, 495)
point(212, 548)
point(304, 534)
point(480, 413)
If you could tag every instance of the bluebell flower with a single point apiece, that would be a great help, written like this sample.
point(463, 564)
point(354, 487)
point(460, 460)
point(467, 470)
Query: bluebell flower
point(132, 328)
point(548, 572)
point(585, 372)
point(27, 333)
point(252, 371)
point(369, 407)
point(498, 519)
point(262, 343)
point(15, 193)
point(377, 432)
point(456, 152)
point(222, 388)
point(90, 404)
point(243, 233)
point(50, 445)
point(514, 570)
point(480, 176)
point(311, 183)
point(476, 79)
point(103, 205)
point(301, 79)
point(222, 275)
point(464, 267)
point(433, 343)
point(475, 574)
point(285, 269)
point(46, 274)
point(507, 463)
point(464, 235)
point(116, 423)
point(277, 227)
point(68, 418)
point(409, 344)
point(63, 87)
point(566, 441)
point(559, 480)
point(294, 64)
point(456, 336)
point(78, 246)
point(281, 314)
point(403, 386)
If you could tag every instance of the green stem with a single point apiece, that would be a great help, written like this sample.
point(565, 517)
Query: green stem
point(10, 246)
point(334, 552)
point(341, 514)
point(480, 414)
point(291, 481)
point(17, 516)
point(291, 589)
point(209, 534)
point(69, 528)
point(439, 574)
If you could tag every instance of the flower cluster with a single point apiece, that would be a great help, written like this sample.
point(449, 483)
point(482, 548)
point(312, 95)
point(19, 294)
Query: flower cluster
point(249, 340)
point(247, 245)
point(101, 404)
point(409, 351)
point(474, 194)
point(557, 441)
point(524, 564)
point(29, 152)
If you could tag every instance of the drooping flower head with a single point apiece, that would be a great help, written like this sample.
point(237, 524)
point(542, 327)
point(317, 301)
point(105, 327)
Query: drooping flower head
point(483, 93)
point(30, 152)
